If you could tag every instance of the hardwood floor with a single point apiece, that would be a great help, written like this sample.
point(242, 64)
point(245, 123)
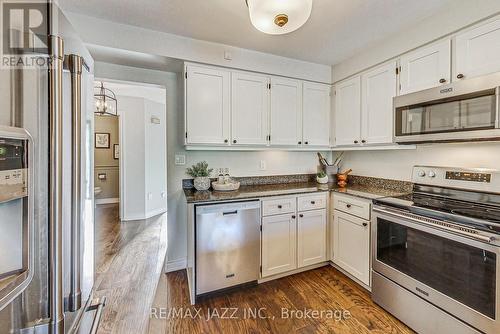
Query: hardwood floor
point(324, 289)
point(129, 263)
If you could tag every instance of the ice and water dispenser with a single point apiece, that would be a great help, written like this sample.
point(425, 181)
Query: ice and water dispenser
point(14, 208)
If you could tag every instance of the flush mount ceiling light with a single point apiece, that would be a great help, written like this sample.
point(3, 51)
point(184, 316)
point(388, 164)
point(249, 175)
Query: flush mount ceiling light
point(278, 17)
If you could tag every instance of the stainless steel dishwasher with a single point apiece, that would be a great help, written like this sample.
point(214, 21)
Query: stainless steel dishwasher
point(227, 245)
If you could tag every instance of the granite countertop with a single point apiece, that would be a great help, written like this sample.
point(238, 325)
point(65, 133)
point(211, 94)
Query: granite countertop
point(257, 191)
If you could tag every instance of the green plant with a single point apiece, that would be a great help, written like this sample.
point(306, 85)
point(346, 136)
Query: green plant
point(321, 174)
point(199, 170)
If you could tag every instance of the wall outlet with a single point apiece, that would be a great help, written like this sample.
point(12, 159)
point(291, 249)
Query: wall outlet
point(263, 165)
point(180, 159)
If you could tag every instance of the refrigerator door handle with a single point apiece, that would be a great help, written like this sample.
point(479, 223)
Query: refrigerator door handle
point(56, 53)
point(74, 64)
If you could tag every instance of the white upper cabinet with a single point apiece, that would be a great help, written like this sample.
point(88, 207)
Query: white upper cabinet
point(286, 111)
point(477, 51)
point(348, 112)
point(316, 114)
point(378, 87)
point(250, 109)
point(207, 105)
point(426, 67)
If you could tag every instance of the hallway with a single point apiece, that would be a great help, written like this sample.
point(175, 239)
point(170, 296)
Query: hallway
point(129, 262)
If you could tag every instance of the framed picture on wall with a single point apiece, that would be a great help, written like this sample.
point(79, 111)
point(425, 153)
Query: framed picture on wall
point(101, 140)
point(116, 151)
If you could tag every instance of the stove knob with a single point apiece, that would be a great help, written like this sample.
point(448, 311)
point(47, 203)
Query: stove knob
point(421, 173)
point(432, 174)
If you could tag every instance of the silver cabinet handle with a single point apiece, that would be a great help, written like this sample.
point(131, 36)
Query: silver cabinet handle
point(56, 53)
point(75, 64)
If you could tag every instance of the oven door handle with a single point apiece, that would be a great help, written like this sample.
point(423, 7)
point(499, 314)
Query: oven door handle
point(438, 224)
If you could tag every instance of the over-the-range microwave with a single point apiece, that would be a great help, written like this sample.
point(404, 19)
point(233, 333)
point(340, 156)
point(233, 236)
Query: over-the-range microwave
point(467, 110)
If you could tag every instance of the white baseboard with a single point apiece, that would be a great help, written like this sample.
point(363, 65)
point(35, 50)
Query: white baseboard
point(148, 215)
point(155, 212)
point(107, 201)
point(175, 265)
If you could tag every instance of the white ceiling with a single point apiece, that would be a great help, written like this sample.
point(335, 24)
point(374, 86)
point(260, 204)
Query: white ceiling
point(336, 30)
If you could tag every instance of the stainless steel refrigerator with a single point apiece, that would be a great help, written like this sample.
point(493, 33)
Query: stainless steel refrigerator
point(46, 174)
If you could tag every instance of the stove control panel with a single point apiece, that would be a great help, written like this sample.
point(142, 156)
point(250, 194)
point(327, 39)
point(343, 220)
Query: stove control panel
point(468, 176)
point(484, 180)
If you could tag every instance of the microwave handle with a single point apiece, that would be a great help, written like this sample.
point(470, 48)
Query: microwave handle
point(75, 64)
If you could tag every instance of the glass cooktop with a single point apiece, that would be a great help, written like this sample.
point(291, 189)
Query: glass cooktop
point(484, 214)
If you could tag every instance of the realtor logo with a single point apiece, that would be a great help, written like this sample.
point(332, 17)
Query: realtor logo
point(24, 35)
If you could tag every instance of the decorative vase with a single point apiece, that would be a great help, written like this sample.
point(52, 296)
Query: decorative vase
point(322, 180)
point(202, 183)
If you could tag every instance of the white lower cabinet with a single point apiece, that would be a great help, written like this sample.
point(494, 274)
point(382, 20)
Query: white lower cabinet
point(351, 245)
point(278, 244)
point(293, 240)
point(311, 238)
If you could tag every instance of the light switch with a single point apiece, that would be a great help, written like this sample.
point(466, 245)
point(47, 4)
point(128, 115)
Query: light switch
point(180, 159)
point(150, 196)
point(163, 194)
point(228, 55)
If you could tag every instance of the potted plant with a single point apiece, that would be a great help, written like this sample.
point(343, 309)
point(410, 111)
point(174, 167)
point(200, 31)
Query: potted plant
point(321, 177)
point(201, 174)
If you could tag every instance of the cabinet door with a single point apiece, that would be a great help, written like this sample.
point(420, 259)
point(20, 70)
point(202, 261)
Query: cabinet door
point(250, 109)
point(351, 245)
point(378, 89)
point(278, 244)
point(316, 114)
point(348, 112)
point(311, 238)
point(426, 67)
point(478, 51)
point(207, 105)
point(286, 111)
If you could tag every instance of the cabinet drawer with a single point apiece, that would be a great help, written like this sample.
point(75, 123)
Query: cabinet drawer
point(278, 206)
point(354, 206)
point(312, 202)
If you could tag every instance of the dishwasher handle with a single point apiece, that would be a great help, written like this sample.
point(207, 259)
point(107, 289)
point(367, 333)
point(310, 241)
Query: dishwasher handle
point(235, 212)
point(228, 208)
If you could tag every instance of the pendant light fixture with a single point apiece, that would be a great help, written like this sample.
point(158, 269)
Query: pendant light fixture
point(105, 101)
point(278, 17)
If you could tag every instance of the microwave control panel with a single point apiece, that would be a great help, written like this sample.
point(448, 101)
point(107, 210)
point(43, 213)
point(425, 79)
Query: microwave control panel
point(13, 169)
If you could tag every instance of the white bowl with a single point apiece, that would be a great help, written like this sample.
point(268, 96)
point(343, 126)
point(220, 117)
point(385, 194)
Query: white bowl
point(230, 186)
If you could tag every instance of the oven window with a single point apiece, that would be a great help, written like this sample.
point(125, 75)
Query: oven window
point(464, 273)
point(475, 113)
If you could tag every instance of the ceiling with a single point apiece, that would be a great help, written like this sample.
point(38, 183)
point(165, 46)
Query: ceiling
point(336, 30)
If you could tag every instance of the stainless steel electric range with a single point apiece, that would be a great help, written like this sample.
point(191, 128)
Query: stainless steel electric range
point(436, 251)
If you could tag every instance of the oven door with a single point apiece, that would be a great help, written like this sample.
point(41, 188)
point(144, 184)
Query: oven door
point(455, 273)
